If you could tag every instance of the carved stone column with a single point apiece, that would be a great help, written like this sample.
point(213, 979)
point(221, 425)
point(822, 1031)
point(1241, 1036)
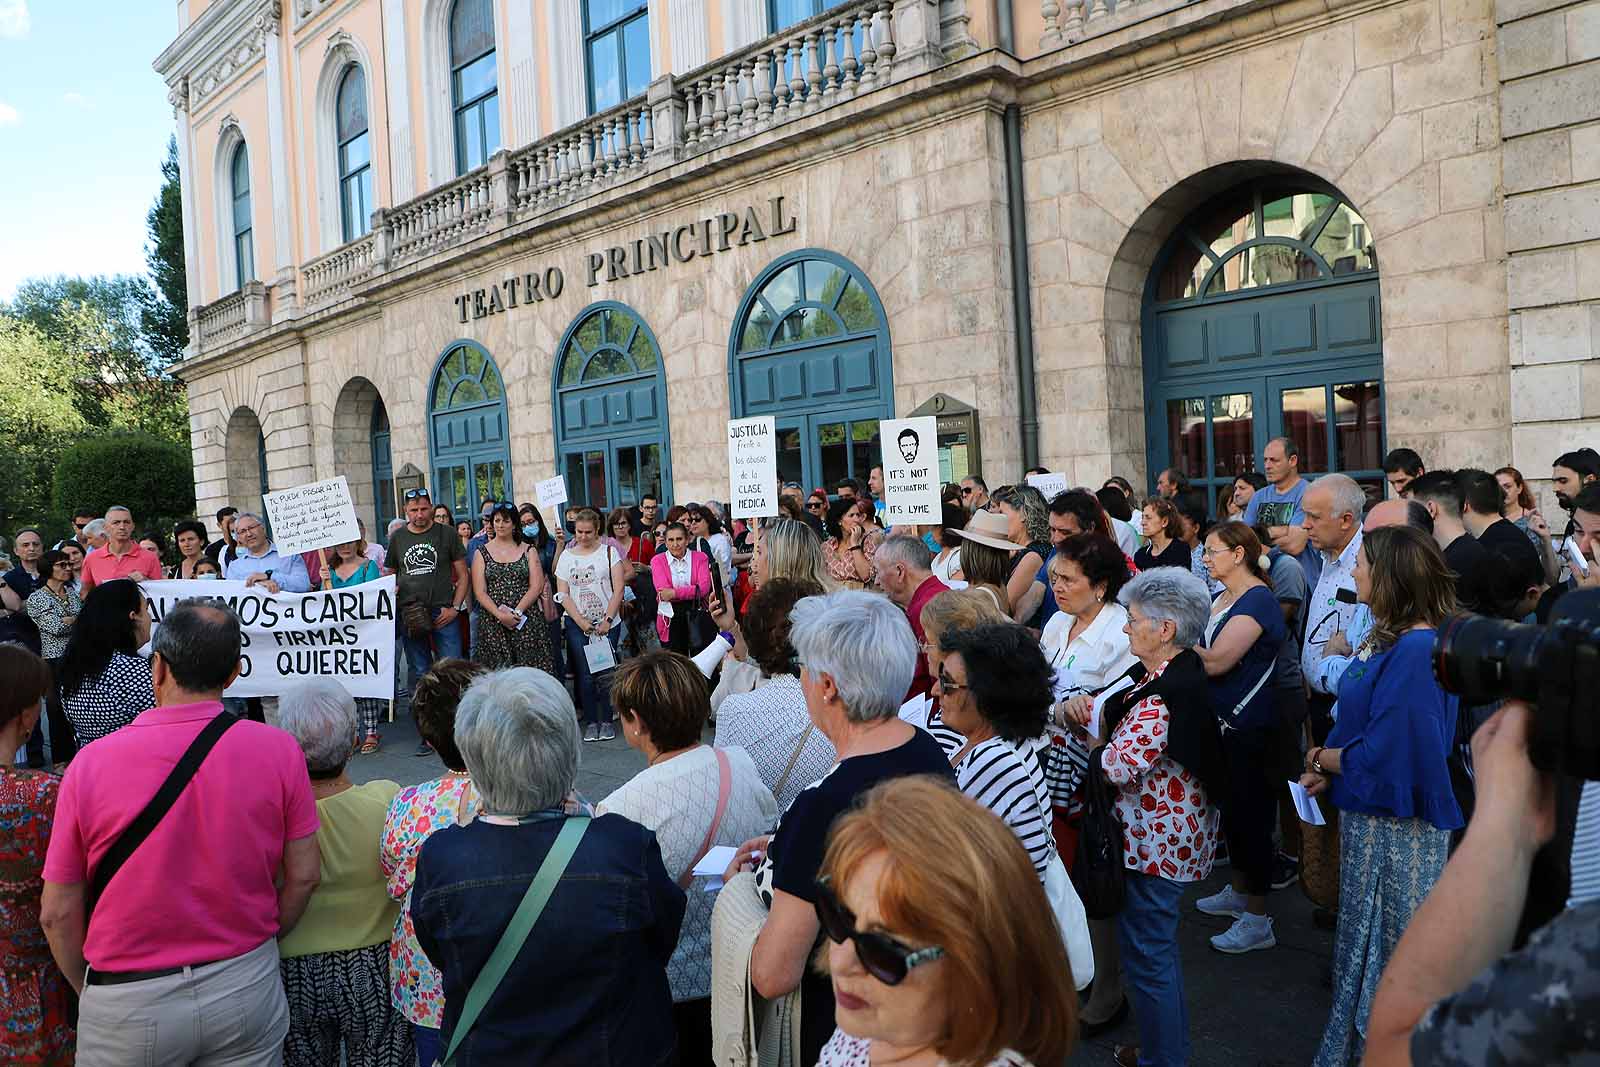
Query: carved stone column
point(916, 37)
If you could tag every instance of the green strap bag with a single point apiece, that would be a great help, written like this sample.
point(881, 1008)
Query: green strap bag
point(516, 935)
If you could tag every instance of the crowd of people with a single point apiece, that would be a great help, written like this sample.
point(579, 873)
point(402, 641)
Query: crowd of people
point(925, 748)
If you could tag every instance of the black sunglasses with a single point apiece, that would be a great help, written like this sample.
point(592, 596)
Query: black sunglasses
point(415, 494)
point(882, 956)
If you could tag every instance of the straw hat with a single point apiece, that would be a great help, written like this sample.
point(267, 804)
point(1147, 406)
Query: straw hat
point(989, 528)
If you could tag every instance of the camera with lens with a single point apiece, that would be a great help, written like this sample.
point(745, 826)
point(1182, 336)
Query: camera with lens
point(1555, 667)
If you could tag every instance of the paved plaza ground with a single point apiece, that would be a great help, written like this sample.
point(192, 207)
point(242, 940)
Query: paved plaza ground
point(1258, 1009)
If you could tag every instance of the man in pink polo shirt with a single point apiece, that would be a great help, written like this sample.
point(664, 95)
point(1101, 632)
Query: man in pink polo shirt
point(179, 962)
point(121, 557)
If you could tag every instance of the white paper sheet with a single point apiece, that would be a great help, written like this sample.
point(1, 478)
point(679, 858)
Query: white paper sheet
point(1305, 805)
point(713, 864)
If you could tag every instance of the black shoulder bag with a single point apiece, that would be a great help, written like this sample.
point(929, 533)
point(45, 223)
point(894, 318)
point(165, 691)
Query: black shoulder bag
point(1097, 870)
point(134, 834)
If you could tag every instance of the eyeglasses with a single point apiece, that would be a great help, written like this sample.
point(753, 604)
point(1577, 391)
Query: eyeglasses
point(79, 525)
point(815, 505)
point(967, 490)
point(247, 529)
point(882, 956)
point(950, 685)
point(416, 494)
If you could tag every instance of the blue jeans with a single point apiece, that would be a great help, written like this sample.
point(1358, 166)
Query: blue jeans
point(439, 644)
point(1147, 932)
point(594, 694)
point(429, 1047)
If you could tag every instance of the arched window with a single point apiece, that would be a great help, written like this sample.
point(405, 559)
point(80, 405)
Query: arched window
point(244, 250)
point(1261, 319)
point(355, 154)
point(474, 93)
point(811, 346)
point(611, 409)
point(468, 432)
point(616, 36)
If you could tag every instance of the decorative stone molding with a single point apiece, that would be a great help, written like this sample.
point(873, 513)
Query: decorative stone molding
point(306, 10)
point(340, 41)
point(178, 96)
point(229, 121)
point(239, 50)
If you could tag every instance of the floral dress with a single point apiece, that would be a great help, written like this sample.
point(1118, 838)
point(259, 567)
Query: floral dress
point(836, 558)
point(416, 812)
point(497, 647)
point(34, 997)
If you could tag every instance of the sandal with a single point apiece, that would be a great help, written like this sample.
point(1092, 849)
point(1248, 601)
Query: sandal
point(371, 744)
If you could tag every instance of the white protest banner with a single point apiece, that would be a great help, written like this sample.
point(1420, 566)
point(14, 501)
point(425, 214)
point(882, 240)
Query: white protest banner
point(552, 492)
point(311, 516)
point(1048, 484)
point(346, 634)
point(752, 467)
point(910, 470)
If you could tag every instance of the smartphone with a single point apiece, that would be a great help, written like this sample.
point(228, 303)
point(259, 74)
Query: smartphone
point(1575, 554)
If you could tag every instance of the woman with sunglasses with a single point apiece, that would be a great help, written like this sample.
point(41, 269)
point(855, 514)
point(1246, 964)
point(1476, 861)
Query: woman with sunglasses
point(54, 608)
point(856, 655)
point(919, 976)
point(994, 691)
point(507, 584)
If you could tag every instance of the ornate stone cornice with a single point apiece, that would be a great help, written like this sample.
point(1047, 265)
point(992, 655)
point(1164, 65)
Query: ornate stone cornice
point(178, 96)
point(305, 10)
point(223, 42)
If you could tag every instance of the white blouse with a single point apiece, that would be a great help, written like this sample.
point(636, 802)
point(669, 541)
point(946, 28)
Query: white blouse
point(1096, 658)
point(842, 1050)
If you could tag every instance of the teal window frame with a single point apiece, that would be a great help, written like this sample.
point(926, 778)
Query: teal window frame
point(244, 248)
point(616, 28)
point(471, 111)
point(354, 141)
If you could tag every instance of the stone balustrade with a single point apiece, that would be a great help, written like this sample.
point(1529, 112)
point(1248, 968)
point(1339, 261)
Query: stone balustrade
point(229, 318)
point(603, 149)
point(813, 65)
point(1069, 21)
point(454, 212)
point(329, 278)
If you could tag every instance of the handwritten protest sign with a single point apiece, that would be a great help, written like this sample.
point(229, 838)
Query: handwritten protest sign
point(311, 516)
point(752, 467)
point(552, 492)
point(1048, 484)
point(346, 634)
point(910, 470)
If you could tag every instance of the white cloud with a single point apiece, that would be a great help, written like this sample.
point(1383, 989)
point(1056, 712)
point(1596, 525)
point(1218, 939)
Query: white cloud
point(75, 99)
point(9, 116)
point(13, 19)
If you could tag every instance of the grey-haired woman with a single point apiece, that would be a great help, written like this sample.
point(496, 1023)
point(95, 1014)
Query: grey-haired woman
point(335, 962)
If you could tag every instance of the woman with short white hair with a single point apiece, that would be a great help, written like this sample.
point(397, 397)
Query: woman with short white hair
point(856, 654)
point(587, 981)
point(1162, 757)
point(335, 962)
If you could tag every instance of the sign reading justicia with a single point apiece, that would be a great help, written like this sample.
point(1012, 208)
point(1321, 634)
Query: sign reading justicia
point(656, 251)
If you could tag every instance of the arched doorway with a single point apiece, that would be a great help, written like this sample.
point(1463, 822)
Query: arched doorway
point(611, 410)
point(1261, 319)
point(468, 431)
point(361, 448)
point(810, 346)
point(246, 450)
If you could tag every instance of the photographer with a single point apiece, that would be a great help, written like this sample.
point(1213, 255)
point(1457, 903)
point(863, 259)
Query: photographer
point(1447, 998)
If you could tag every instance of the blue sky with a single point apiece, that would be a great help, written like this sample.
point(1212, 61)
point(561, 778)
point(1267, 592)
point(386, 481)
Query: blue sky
point(84, 123)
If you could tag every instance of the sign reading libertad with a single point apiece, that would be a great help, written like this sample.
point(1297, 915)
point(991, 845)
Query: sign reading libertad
point(678, 244)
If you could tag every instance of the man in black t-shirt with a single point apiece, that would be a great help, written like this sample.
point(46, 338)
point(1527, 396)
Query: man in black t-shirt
point(430, 568)
point(1482, 512)
point(1440, 493)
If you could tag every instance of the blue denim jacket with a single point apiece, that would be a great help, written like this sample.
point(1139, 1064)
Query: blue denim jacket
point(589, 988)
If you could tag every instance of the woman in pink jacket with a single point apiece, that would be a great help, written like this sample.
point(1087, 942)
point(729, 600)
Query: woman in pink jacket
point(683, 581)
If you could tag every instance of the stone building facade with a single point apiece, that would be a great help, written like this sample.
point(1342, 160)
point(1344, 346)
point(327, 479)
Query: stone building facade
point(1235, 218)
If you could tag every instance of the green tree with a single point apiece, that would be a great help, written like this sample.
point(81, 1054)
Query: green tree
point(149, 474)
point(164, 316)
point(38, 418)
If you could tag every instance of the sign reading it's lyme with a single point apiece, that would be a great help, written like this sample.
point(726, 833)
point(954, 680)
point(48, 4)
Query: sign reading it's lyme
point(344, 634)
point(312, 516)
point(910, 470)
point(753, 467)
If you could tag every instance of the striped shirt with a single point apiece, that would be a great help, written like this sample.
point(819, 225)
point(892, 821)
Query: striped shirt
point(1586, 848)
point(1006, 778)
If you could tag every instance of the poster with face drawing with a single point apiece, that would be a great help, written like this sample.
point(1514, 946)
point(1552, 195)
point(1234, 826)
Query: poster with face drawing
point(910, 470)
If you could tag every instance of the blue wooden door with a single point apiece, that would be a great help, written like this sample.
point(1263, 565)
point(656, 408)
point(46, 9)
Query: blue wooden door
point(469, 433)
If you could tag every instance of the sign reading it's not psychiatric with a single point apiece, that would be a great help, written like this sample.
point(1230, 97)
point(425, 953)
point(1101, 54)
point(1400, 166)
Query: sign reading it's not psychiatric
point(910, 470)
point(345, 634)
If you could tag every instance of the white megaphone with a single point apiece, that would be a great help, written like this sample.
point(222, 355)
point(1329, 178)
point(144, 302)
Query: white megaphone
point(710, 657)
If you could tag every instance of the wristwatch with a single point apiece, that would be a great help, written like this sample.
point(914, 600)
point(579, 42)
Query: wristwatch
point(461, 607)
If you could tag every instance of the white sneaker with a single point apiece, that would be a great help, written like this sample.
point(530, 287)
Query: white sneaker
point(591, 732)
point(1228, 902)
point(607, 732)
point(1248, 933)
